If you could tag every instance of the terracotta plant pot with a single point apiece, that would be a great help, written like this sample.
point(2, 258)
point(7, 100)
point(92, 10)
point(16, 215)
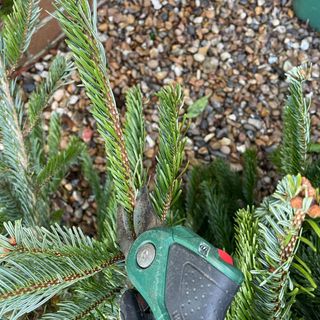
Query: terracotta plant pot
point(308, 10)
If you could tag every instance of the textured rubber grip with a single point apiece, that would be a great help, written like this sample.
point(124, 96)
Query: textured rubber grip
point(195, 290)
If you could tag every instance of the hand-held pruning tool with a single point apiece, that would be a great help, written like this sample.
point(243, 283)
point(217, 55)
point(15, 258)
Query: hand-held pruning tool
point(178, 275)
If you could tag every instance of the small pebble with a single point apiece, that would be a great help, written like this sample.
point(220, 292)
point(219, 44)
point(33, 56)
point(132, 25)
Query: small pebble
point(199, 57)
point(58, 95)
point(304, 45)
point(225, 149)
point(73, 99)
point(153, 64)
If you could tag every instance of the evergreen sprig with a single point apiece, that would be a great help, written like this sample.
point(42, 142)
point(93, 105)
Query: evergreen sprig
point(27, 167)
point(246, 230)
point(54, 135)
point(14, 155)
point(279, 229)
point(171, 150)
point(218, 212)
point(54, 170)
point(91, 300)
point(82, 38)
point(296, 118)
point(17, 32)
point(249, 180)
point(105, 198)
point(39, 263)
point(135, 135)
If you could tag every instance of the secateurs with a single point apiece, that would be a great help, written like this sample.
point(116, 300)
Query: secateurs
point(176, 274)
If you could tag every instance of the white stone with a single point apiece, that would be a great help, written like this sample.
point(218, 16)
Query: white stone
point(275, 22)
point(242, 148)
point(39, 66)
point(198, 20)
point(156, 4)
point(73, 99)
point(150, 141)
point(225, 149)
point(225, 56)
point(304, 45)
point(199, 57)
point(177, 70)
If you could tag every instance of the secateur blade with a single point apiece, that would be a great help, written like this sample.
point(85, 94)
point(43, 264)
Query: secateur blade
point(144, 218)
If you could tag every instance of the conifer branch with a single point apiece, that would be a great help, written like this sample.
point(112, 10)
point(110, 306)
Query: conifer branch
point(249, 180)
point(91, 296)
point(135, 135)
point(279, 229)
point(105, 200)
point(54, 136)
point(296, 132)
point(51, 261)
point(14, 155)
point(58, 75)
point(53, 172)
point(91, 175)
point(246, 231)
point(171, 150)
point(10, 206)
point(195, 197)
point(77, 22)
point(220, 223)
point(18, 30)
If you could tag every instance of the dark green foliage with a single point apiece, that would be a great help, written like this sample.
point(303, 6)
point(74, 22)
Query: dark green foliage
point(220, 219)
point(215, 193)
point(5, 7)
point(249, 179)
point(308, 305)
point(313, 172)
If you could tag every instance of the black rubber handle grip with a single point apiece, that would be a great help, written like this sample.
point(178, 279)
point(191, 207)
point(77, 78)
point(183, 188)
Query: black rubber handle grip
point(133, 307)
point(195, 290)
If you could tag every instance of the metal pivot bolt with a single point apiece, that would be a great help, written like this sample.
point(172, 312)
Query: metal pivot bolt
point(146, 254)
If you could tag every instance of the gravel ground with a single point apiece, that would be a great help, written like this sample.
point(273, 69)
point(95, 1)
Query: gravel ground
point(236, 51)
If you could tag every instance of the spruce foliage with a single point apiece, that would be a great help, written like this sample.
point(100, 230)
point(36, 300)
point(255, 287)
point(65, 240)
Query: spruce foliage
point(62, 274)
point(29, 174)
point(214, 194)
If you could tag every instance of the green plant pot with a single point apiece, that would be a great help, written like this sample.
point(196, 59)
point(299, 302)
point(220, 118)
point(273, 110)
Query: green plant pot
point(308, 10)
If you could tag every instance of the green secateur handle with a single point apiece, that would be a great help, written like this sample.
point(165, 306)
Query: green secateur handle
point(181, 276)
